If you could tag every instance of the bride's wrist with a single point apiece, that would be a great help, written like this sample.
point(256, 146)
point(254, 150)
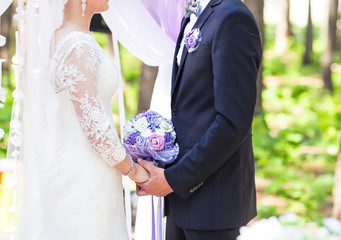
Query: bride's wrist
point(132, 175)
point(131, 166)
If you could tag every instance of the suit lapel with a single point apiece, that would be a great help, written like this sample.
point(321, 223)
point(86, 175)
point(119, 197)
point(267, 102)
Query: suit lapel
point(199, 23)
point(175, 64)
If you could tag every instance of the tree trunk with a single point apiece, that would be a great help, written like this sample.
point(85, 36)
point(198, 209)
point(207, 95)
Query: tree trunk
point(147, 80)
point(257, 8)
point(308, 38)
point(287, 17)
point(337, 189)
point(327, 58)
point(5, 26)
point(283, 28)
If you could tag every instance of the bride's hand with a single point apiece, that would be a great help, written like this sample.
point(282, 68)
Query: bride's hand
point(139, 174)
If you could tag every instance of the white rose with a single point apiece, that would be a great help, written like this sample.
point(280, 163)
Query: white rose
point(147, 133)
point(129, 128)
point(165, 126)
point(141, 124)
point(160, 132)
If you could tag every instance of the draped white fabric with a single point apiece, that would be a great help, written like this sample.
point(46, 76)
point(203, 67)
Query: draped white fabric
point(134, 27)
point(4, 4)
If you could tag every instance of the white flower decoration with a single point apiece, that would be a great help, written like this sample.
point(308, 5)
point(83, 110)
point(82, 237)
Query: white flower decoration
point(160, 132)
point(2, 133)
point(2, 95)
point(333, 225)
point(165, 126)
point(16, 141)
point(147, 133)
point(141, 124)
point(2, 41)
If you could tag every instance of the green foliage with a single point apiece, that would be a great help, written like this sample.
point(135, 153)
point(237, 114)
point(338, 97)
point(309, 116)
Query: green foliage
point(131, 70)
point(297, 138)
point(266, 211)
point(5, 117)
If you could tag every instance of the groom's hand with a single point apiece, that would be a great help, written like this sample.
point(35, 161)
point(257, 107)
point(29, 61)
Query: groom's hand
point(157, 184)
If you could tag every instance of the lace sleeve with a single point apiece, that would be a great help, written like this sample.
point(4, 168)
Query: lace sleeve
point(77, 75)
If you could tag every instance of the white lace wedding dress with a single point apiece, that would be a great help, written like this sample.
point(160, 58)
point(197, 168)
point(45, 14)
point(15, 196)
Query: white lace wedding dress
point(84, 198)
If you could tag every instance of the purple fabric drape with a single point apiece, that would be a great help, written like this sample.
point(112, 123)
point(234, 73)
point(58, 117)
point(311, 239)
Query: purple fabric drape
point(168, 14)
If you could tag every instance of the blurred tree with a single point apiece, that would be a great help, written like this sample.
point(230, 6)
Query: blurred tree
point(327, 57)
point(308, 38)
point(283, 28)
point(147, 80)
point(257, 8)
point(6, 21)
point(337, 189)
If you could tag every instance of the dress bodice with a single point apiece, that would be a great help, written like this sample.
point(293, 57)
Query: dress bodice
point(85, 81)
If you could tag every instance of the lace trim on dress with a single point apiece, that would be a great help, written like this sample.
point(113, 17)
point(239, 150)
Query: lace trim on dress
point(77, 74)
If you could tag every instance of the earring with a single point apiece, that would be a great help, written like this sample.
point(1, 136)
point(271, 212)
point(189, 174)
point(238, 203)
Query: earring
point(83, 7)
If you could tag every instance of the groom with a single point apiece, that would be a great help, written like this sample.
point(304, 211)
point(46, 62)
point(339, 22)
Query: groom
point(210, 188)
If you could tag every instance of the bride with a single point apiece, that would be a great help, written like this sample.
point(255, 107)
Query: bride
point(82, 194)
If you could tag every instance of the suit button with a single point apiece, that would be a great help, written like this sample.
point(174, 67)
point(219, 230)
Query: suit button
point(174, 111)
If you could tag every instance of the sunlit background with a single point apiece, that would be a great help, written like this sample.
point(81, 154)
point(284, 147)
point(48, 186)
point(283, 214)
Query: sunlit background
point(297, 127)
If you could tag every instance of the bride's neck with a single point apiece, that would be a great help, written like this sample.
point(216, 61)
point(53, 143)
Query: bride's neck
point(73, 18)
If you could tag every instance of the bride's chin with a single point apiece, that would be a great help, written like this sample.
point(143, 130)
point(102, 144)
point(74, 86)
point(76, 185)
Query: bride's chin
point(104, 9)
point(97, 12)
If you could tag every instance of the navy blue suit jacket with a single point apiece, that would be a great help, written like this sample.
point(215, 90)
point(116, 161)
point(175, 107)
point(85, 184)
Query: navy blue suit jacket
point(213, 100)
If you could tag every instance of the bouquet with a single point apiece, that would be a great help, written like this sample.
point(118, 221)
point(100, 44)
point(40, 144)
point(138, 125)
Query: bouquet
point(151, 137)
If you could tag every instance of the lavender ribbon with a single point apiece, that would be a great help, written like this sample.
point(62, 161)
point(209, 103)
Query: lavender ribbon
point(153, 220)
point(157, 225)
point(162, 158)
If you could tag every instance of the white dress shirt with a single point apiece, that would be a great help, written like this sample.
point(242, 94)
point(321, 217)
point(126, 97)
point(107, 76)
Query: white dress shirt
point(189, 26)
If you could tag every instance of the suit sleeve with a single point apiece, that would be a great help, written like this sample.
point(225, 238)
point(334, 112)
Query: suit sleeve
point(236, 56)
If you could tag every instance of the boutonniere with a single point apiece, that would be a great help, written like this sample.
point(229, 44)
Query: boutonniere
point(192, 7)
point(193, 39)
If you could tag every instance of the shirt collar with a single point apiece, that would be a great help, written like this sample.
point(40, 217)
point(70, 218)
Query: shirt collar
point(203, 4)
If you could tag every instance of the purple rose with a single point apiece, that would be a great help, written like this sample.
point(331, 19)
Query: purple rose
point(141, 142)
point(157, 142)
point(193, 39)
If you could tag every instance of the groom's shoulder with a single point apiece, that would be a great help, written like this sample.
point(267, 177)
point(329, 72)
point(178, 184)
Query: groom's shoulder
point(230, 7)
